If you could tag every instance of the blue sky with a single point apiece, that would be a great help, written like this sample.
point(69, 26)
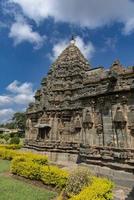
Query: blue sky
point(34, 32)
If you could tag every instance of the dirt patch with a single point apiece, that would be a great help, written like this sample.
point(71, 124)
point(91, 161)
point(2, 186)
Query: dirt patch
point(7, 174)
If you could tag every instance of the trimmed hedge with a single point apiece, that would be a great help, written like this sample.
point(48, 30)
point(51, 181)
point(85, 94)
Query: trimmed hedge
point(52, 175)
point(49, 175)
point(11, 146)
point(9, 154)
point(37, 158)
point(26, 168)
point(100, 189)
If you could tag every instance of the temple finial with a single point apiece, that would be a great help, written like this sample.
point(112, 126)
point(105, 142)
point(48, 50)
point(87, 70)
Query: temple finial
point(72, 39)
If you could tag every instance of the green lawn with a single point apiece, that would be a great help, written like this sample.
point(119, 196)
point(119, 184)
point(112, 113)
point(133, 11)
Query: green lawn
point(4, 166)
point(13, 189)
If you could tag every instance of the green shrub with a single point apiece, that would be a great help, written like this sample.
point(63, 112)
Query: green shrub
point(1, 136)
point(15, 140)
point(40, 159)
point(78, 179)
point(52, 175)
point(12, 134)
point(11, 146)
point(14, 146)
point(27, 169)
point(100, 189)
point(36, 158)
point(9, 154)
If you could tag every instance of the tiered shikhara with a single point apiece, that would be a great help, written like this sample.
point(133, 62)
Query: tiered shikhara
point(86, 111)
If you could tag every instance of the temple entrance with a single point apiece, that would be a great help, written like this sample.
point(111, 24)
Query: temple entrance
point(43, 133)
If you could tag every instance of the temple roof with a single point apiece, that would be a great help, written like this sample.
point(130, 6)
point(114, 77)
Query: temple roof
point(71, 55)
point(71, 79)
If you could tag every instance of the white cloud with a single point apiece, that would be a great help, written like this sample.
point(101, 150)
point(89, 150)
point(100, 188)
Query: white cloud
point(18, 96)
point(129, 27)
point(6, 114)
point(87, 13)
point(21, 31)
point(4, 100)
point(23, 98)
point(58, 48)
point(17, 87)
point(86, 48)
point(22, 93)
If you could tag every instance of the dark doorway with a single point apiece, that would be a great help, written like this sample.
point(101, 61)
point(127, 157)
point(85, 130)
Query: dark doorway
point(44, 133)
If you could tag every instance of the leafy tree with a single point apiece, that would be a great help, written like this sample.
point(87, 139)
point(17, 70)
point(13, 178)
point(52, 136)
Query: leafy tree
point(15, 140)
point(10, 125)
point(19, 120)
point(2, 125)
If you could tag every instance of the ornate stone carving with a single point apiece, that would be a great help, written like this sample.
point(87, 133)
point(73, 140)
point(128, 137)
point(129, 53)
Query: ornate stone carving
point(119, 119)
point(78, 124)
point(77, 104)
point(87, 120)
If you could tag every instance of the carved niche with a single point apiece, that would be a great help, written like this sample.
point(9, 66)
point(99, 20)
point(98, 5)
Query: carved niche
point(87, 119)
point(119, 119)
point(98, 123)
point(77, 124)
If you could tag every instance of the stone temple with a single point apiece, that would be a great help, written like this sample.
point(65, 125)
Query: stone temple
point(84, 114)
